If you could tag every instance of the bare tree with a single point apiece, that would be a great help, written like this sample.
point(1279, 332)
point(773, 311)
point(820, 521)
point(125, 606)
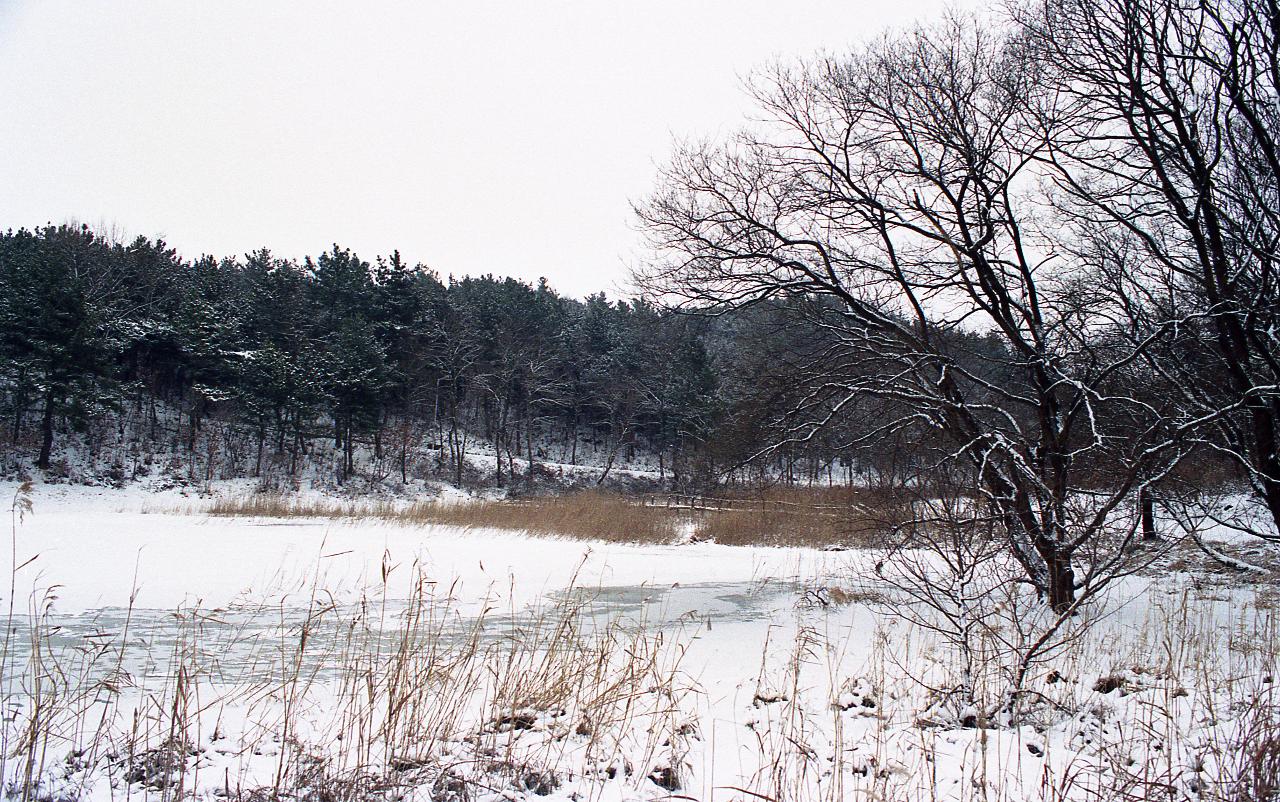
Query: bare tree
point(901, 188)
point(1168, 158)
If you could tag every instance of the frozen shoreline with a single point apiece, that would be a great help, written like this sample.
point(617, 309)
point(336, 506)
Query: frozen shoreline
point(697, 666)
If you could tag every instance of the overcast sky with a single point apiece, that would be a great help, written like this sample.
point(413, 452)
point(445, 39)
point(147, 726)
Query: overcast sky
point(474, 137)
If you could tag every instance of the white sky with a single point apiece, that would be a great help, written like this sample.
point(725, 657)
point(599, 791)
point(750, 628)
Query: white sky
point(475, 137)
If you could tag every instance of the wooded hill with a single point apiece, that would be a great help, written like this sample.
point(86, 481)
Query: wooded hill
point(115, 353)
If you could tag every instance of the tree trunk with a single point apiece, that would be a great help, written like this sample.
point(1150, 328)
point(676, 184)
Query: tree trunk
point(528, 444)
point(1266, 458)
point(573, 454)
point(1147, 509)
point(404, 459)
point(457, 464)
point(196, 413)
point(1062, 583)
point(46, 430)
point(613, 454)
point(19, 403)
point(497, 461)
point(348, 453)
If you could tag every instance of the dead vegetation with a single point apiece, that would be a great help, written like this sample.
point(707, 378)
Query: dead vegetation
point(850, 516)
point(359, 701)
point(775, 517)
point(587, 515)
point(370, 697)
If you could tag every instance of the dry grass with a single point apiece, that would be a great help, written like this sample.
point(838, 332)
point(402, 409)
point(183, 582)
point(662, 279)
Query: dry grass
point(816, 517)
point(588, 515)
point(843, 597)
point(775, 517)
point(351, 702)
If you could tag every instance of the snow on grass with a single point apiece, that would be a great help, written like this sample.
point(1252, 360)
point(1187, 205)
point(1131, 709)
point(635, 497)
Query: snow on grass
point(187, 655)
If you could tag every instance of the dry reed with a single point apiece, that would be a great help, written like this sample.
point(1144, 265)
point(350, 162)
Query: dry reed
point(346, 702)
point(588, 515)
point(379, 698)
point(776, 517)
point(815, 517)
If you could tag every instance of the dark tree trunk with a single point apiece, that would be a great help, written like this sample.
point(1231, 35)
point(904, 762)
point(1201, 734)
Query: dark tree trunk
point(1266, 458)
point(1147, 509)
point(1062, 583)
point(528, 443)
point(19, 403)
point(46, 431)
point(457, 468)
point(348, 452)
point(404, 460)
point(295, 450)
point(197, 413)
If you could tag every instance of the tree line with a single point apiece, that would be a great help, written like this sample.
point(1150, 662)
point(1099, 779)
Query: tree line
point(382, 366)
point(336, 348)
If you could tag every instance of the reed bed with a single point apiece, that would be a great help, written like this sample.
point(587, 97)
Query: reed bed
point(776, 517)
point(813, 517)
point(588, 515)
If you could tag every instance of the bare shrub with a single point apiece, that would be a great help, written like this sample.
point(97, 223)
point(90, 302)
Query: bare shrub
point(952, 575)
point(1250, 760)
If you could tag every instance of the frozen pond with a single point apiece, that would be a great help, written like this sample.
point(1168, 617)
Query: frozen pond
point(249, 643)
point(234, 657)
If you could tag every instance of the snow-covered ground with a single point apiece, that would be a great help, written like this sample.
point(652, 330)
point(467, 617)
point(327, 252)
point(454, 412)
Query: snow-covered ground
point(186, 655)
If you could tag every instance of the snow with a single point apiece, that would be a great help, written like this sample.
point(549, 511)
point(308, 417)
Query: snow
point(727, 673)
point(80, 537)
